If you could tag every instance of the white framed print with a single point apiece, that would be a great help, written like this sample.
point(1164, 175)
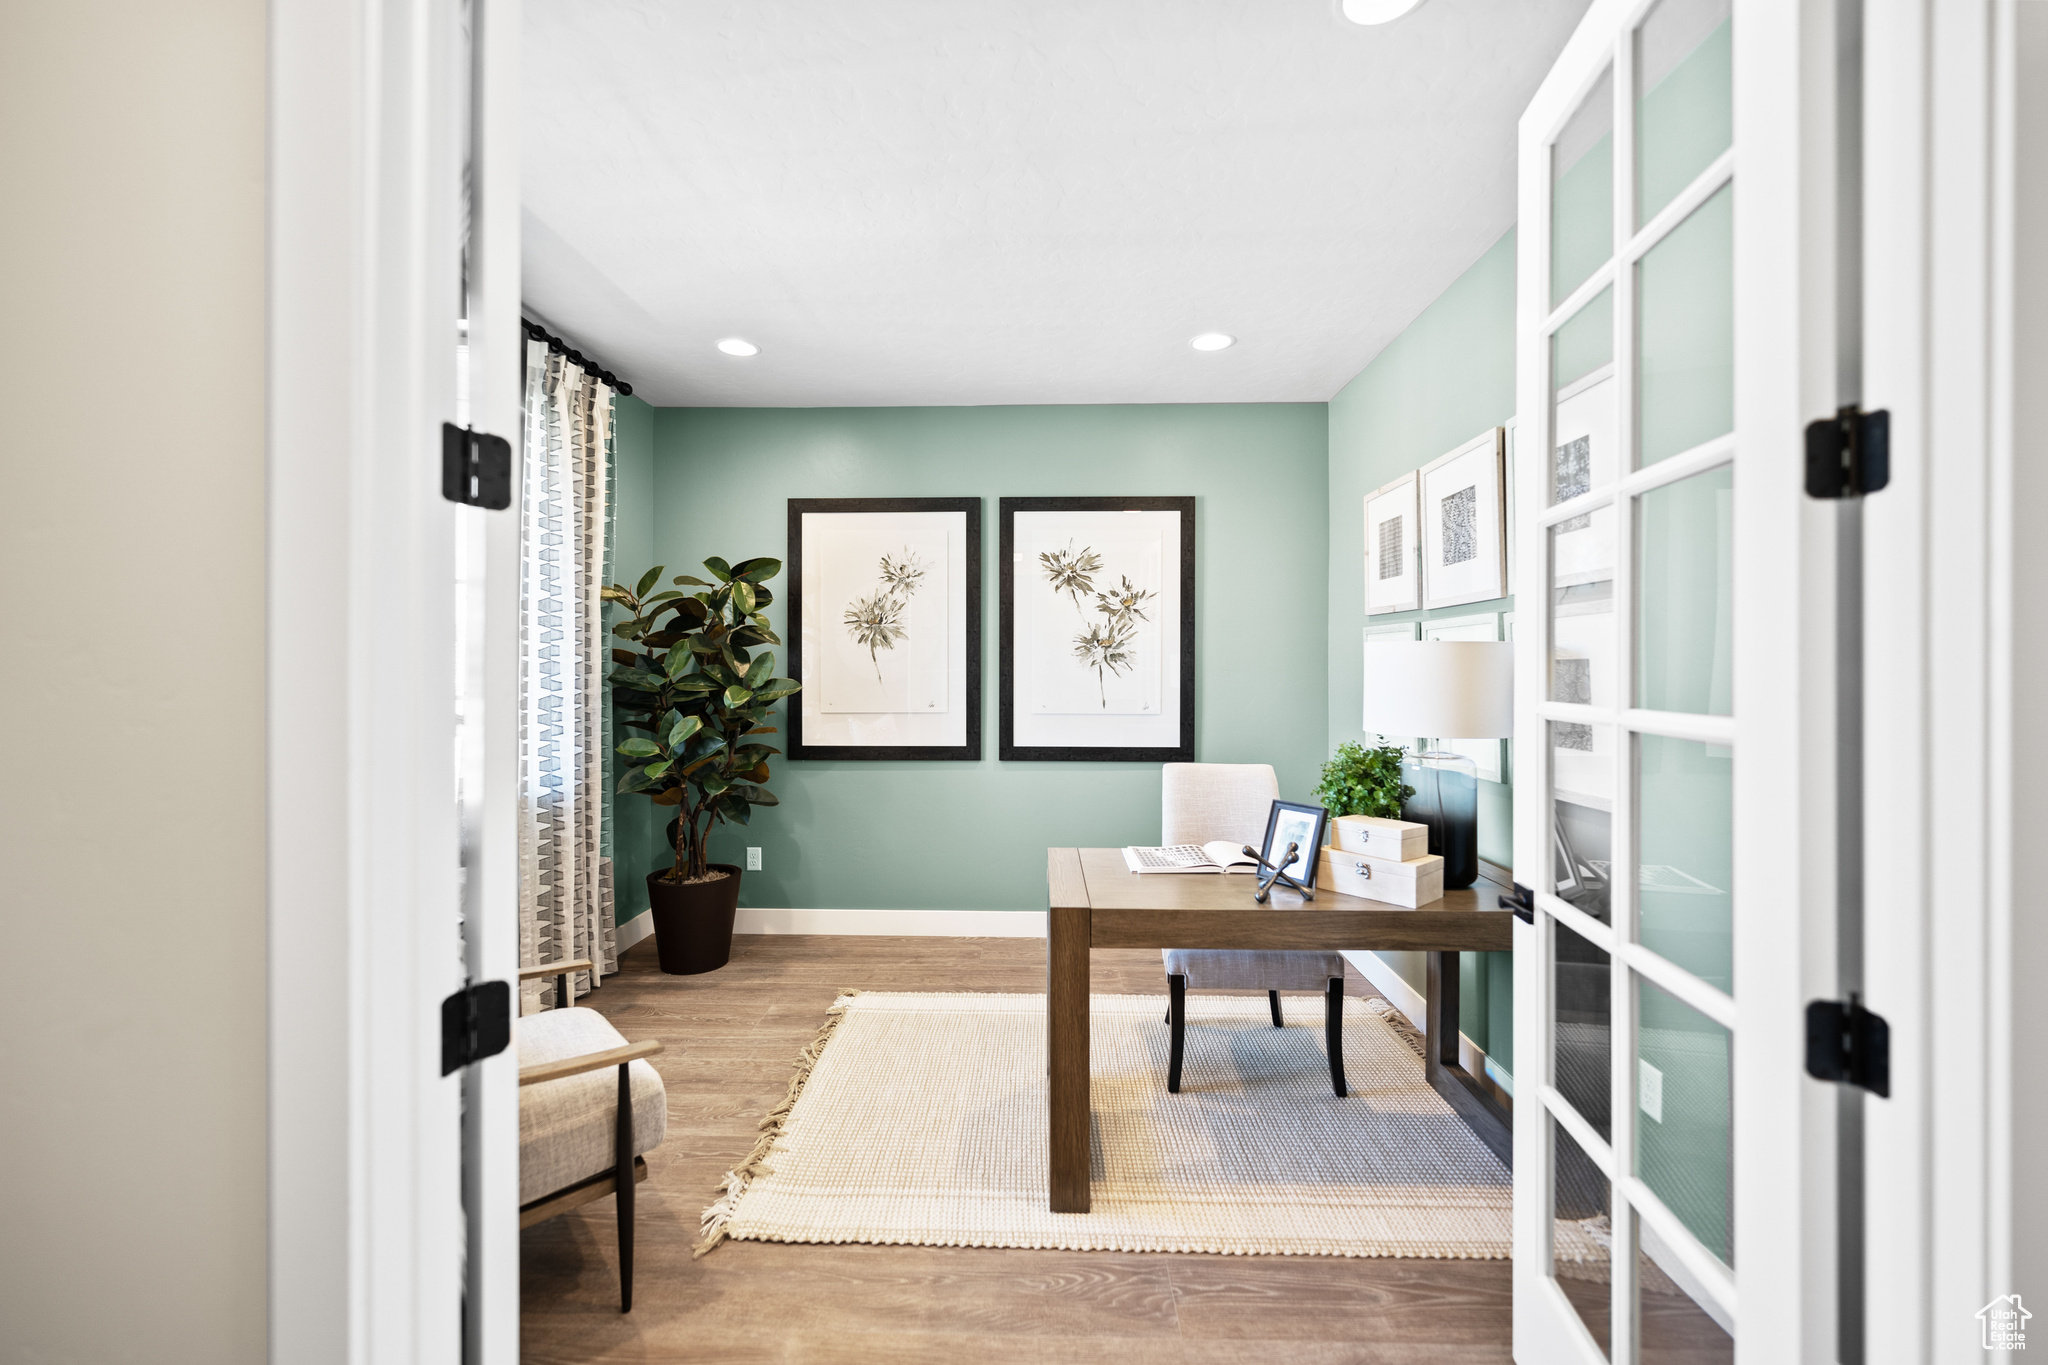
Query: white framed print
point(885, 628)
point(1393, 564)
point(1464, 524)
point(1098, 629)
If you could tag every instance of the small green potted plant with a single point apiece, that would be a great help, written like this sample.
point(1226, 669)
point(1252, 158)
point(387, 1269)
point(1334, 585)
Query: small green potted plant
point(701, 698)
point(1364, 781)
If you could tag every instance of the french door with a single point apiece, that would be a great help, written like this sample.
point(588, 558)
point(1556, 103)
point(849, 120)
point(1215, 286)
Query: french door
point(1674, 802)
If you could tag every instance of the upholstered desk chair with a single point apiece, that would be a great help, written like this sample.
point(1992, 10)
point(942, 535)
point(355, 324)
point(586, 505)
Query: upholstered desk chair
point(580, 1131)
point(1207, 801)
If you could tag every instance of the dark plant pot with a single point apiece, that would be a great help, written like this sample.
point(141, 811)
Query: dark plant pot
point(693, 924)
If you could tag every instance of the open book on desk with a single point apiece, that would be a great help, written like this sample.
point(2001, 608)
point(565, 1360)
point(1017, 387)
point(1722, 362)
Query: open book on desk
point(1218, 856)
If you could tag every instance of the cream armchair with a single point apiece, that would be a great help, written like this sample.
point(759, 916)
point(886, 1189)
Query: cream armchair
point(581, 1133)
point(1201, 802)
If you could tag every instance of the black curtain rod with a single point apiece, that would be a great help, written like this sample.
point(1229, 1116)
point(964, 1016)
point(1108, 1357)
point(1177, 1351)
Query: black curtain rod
point(561, 347)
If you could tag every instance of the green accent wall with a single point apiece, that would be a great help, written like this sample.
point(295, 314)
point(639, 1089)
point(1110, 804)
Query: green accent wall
point(634, 829)
point(972, 836)
point(1447, 378)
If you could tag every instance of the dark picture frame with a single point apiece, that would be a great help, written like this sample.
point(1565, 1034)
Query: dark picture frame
point(1008, 749)
point(805, 750)
point(1312, 856)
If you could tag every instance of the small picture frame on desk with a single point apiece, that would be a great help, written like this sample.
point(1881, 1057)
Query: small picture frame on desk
point(1292, 822)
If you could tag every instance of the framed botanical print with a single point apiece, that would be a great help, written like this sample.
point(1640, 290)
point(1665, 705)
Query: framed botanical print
point(1393, 563)
point(1464, 524)
point(885, 628)
point(1098, 629)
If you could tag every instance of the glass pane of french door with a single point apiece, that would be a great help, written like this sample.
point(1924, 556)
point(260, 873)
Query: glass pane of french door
point(1633, 949)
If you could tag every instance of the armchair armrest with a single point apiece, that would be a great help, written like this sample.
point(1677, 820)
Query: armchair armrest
point(581, 964)
point(590, 1061)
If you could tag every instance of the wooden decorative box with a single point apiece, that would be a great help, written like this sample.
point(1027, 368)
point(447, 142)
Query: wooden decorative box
point(1408, 882)
point(1399, 840)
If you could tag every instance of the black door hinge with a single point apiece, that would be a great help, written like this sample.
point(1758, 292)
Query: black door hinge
point(1848, 454)
point(1848, 1043)
point(1522, 902)
point(476, 467)
point(476, 1022)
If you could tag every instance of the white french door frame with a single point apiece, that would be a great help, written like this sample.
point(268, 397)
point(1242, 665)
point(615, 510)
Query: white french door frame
point(491, 815)
point(1782, 1296)
point(367, 1239)
point(1953, 1204)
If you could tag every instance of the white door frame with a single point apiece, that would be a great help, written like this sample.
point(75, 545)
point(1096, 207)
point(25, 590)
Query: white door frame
point(366, 1232)
point(491, 835)
point(1942, 682)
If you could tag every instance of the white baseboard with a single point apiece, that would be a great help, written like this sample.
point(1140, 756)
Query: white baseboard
point(1410, 1002)
point(907, 923)
point(914, 923)
point(635, 929)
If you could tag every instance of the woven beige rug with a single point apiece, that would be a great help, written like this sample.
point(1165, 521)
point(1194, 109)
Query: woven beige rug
point(921, 1120)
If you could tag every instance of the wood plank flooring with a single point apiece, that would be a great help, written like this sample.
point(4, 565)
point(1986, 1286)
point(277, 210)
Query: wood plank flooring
point(731, 1038)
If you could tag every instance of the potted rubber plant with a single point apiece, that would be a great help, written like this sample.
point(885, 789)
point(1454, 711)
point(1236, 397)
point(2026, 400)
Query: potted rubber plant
point(700, 695)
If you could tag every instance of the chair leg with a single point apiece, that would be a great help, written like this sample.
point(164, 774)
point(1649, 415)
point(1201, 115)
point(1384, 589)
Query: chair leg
point(1333, 1033)
point(622, 1182)
point(1177, 1016)
point(1273, 999)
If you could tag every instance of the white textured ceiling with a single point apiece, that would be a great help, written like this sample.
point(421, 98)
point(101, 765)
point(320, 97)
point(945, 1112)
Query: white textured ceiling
point(978, 201)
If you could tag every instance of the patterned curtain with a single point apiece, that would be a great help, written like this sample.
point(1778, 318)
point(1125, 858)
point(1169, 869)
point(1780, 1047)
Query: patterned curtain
point(565, 866)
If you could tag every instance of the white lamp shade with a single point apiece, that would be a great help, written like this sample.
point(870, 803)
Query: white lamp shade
point(1440, 688)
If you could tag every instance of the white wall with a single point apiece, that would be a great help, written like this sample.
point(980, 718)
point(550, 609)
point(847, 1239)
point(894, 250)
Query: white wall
point(132, 1157)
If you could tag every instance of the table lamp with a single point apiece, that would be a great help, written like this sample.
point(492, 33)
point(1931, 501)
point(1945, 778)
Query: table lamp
point(1442, 689)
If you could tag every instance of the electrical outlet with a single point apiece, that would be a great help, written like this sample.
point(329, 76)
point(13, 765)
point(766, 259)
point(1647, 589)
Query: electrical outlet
point(1650, 1090)
point(753, 860)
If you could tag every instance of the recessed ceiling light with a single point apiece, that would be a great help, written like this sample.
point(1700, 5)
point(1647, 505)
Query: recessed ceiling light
point(735, 346)
point(1213, 341)
point(1377, 11)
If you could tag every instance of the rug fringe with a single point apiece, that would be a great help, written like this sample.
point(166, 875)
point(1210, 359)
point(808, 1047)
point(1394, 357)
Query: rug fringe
point(1398, 1022)
point(715, 1220)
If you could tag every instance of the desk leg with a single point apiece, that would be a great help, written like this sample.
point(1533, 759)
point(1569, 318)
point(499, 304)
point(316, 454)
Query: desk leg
point(1489, 1122)
point(1066, 1016)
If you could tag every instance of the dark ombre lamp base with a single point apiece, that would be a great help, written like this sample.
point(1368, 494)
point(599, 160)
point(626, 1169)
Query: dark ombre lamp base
point(1447, 800)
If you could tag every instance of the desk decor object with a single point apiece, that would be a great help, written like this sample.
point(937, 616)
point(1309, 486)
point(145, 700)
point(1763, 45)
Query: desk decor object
point(1410, 882)
point(885, 627)
point(1380, 837)
point(1298, 825)
point(1098, 629)
point(1393, 554)
point(1430, 688)
point(1464, 523)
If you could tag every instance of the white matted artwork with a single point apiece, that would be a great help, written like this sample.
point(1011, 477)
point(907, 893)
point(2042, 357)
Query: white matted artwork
point(1098, 620)
point(1484, 753)
point(1393, 561)
point(1464, 524)
point(886, 627)
point(1404, 630)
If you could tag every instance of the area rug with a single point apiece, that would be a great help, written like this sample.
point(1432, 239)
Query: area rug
point(920, 1119)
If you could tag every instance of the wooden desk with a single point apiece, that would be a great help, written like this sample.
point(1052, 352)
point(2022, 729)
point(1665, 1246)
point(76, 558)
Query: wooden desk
point(1097, 902)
